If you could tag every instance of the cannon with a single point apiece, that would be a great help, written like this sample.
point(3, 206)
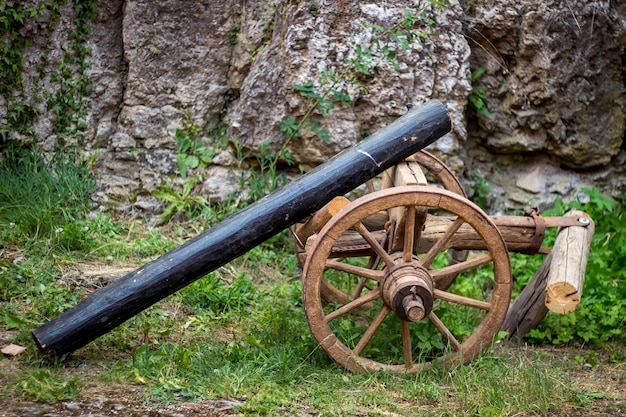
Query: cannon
point(410, 274)
point(121, 300)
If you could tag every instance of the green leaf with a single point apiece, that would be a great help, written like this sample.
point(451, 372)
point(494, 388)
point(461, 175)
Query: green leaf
point(477, 73)
point(192, 161)
point(290, 127)
point(182, 166)
point(306, 89)
point(308, 86)
point(206, 157)
point(14, 322)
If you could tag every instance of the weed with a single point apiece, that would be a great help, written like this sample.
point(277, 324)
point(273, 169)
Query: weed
point(184, 202)
point(477, 98)
point(314, 10)
point(266, 178)
point(44, 197)
point(43, 385)
point(212, 293)
point(192, 153)
point(481, 189)
point(233, 33)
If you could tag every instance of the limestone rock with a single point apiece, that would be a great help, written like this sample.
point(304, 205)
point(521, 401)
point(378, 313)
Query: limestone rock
point(222, 183)
point(553, 84)
point(553, 81)
point(310, 42)
point(531, 182)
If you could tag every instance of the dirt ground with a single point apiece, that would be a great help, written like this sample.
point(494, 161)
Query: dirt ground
point(608, 383)
point(605, 383)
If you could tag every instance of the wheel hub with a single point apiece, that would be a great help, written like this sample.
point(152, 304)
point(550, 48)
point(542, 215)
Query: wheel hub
point(408, 291)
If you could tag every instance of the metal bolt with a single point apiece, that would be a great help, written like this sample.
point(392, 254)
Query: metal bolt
point(583, 220)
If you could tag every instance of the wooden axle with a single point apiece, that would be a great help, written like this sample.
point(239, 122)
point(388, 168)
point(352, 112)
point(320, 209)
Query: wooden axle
point(518, 232)
point(119, 301)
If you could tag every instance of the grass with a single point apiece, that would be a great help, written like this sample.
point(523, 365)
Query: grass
point(240, 334)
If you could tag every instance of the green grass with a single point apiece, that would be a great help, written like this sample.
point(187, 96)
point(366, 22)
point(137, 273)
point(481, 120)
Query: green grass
point(240, 333)
point(242, 336)
point(40, 197)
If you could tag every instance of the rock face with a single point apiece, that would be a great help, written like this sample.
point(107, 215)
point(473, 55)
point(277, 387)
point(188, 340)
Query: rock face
point(556, 78)
point(237, 76)
point(554, 88)
point(308, 44)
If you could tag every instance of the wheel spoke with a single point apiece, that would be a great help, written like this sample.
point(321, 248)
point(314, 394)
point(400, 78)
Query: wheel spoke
point(359, 288)
point(441, 243)
point(447, 335)
point(406, 344)
point(356, 270)
point(371, 330)
point(409, 234)
point(460, 267)
point(353, 305)
point(464, 301)
point(376, 246)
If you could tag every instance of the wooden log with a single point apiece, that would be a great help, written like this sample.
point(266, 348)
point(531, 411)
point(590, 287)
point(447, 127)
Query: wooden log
point(529, 309)
point(569, 262)
point(518, 233)
point(407, 173)
point(119, 301)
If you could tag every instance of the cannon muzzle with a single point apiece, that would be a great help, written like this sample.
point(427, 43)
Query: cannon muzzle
point(112, 305)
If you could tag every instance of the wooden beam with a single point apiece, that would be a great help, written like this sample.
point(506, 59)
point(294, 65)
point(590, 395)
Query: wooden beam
point(529, 308)
point(320, 218)
point(569, 262)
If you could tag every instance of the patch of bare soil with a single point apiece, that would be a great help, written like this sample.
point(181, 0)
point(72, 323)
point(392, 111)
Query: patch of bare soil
point(602, 382)
point(106, 407)
point(602, 387)
point(101, 400)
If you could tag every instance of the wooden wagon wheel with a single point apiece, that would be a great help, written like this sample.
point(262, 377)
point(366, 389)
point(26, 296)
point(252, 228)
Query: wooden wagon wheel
point(412, 324)
point(448, 181)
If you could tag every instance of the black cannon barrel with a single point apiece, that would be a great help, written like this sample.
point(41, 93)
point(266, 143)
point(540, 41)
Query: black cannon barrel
point(112, 305)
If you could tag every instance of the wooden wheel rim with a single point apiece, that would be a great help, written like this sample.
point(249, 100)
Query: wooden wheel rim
point(424, 196)
point(434, 165)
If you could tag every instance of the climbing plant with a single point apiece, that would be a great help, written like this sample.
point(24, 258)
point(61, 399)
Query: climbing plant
point(61, 87)
point(332, 88)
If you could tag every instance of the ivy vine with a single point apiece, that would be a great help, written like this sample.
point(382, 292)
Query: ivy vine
point(64, 90)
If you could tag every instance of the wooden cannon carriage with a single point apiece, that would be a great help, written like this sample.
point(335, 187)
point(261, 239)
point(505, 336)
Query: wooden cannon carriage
point(414, 273)
point(385, 277)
